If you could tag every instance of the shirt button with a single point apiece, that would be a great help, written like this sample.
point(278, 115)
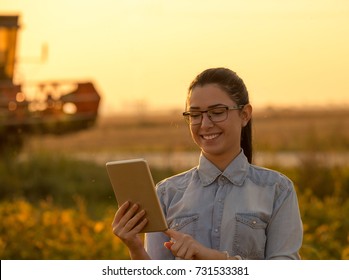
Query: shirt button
point(216, 230)
point(254, 222)
point(221, 181)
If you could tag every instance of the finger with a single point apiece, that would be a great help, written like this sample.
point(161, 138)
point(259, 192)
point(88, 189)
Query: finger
point(132, 223)
point(128, 215)
point(176, 245)
point(121, 211)
point(131, 226)
point(185, 247)
point(139, 227)
point(168, 244)
point(120, 222)
point(171, 232)
point(182, 251)
point(189, 255)
point(187, 250)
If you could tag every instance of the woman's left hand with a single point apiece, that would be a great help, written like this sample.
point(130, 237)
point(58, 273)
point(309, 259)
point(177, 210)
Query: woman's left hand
point(186, 247)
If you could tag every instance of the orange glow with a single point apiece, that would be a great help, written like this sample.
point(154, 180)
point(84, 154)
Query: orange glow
point(289, 53)
point(12, 106)
point(20, 97)
point(69, 108)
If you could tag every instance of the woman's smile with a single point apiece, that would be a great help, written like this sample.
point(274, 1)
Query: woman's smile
point(210, 136)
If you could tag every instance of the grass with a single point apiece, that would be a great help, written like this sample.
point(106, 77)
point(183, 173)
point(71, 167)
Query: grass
point(62, 180)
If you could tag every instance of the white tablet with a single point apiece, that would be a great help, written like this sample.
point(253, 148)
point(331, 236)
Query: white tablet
point(132, 181)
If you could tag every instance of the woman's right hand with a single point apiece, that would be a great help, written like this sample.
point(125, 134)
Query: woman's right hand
point(127, 224)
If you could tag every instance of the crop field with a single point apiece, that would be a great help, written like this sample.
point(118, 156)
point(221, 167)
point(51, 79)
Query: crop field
point(274, 130)
point(56, 201)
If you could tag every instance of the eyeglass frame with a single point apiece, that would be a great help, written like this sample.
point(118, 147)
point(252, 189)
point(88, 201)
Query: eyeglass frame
point(186, 114)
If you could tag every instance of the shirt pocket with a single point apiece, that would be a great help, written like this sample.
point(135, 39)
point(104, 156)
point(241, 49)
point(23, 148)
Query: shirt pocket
point(250, 236)
point(185, 224)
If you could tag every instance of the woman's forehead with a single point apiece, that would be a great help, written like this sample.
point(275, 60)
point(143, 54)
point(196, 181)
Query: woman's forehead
point(208, 95)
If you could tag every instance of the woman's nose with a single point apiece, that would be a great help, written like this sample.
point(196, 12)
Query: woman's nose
point(206, 121)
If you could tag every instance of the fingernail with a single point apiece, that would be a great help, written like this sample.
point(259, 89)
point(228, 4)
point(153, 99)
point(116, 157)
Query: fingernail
point(168, 245)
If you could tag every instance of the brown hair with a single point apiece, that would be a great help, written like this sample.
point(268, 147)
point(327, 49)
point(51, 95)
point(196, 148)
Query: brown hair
point(234, 86)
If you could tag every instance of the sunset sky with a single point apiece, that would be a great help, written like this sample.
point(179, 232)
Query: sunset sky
point(146, 52)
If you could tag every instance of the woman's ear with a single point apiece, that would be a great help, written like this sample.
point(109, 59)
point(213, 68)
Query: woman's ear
point(246, 114)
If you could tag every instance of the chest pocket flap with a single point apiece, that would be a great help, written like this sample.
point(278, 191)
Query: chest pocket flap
point(186, 224)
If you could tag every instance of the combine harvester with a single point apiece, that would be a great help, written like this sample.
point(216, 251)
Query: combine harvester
point(55, 107)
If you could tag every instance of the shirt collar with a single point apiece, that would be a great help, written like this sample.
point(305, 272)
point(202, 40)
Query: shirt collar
point(235, 172)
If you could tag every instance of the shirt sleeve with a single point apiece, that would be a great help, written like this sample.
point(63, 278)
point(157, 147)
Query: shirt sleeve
point(154, 245)
point(285, 230)
point(154, 241)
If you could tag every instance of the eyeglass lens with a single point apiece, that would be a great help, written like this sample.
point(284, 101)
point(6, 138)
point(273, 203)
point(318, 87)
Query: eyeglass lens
point(215, 115)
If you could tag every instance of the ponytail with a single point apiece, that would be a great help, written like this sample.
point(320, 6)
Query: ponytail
point(246, 141)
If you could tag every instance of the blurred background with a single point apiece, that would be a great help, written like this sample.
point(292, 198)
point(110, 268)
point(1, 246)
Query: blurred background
point(288, 52)
point(84, 82)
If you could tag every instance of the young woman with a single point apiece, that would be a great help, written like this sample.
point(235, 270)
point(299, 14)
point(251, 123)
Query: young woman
point(224, 208)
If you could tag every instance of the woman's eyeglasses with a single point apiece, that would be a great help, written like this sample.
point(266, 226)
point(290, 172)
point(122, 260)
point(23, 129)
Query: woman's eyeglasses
point(217, 114)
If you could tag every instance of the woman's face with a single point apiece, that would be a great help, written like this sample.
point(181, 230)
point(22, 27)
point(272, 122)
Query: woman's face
point(218, 141)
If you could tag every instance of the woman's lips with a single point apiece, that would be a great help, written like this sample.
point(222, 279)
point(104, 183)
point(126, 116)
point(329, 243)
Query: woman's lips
point(210, 136)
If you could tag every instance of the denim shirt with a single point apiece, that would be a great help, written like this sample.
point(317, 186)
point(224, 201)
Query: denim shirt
point(246, 210)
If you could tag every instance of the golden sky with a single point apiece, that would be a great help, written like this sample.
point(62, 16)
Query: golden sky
point(146, 52)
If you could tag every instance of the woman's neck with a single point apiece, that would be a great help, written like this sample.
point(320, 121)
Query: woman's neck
point(221, 161)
